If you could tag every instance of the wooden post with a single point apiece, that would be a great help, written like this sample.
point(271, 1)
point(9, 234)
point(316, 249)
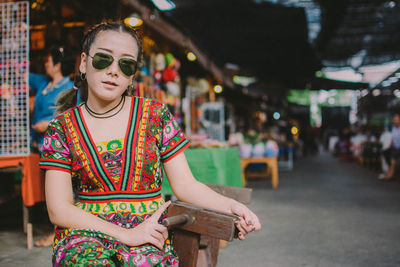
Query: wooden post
point(186, 245)
point(209, 247)
point(25, 217)
point(29, 237)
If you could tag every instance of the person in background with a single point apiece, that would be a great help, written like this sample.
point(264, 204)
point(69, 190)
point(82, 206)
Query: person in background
point(357, 141)
point(385, 140)
point(395, 148)
point(59, 63)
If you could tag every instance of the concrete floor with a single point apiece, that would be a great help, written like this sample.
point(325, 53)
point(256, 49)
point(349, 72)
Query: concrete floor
point(324, 213)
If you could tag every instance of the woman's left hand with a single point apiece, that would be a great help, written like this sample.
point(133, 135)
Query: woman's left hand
point(248, 222)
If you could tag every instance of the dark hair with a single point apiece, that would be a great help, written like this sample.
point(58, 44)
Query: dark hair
point(65, 57)
point(69, 98)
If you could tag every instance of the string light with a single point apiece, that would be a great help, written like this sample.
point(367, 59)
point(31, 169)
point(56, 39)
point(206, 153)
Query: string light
point(218, 89)
point(191, 56)
point(294, 130)
point(133, 20)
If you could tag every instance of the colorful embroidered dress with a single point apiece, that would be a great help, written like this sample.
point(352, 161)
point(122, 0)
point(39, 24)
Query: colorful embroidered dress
point(117, 180)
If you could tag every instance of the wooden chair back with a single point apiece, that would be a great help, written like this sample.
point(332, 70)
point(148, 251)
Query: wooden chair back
point(197, 231)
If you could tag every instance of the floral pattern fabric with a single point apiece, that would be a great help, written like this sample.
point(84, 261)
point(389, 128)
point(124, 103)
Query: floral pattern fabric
point(118, 181)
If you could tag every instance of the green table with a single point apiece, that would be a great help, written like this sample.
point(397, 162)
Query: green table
point(212, 165)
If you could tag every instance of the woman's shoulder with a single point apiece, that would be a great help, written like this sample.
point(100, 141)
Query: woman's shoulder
point(65, 83)
point(154, 104)
point(61, 118)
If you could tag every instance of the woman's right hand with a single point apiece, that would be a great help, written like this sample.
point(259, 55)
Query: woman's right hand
point(149, 231)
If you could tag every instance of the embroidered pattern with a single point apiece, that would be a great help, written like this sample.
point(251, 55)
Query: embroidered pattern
point(118, 181)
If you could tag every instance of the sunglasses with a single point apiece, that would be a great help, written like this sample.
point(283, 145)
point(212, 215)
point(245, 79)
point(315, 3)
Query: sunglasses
point(100, 61)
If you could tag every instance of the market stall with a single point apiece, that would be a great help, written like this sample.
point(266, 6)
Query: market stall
point(213, 165)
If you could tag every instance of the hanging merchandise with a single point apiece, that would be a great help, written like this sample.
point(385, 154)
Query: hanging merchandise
point(159, 64)
point(171, 81)
point(170, 74)
point(159, 79)
point(203, 86)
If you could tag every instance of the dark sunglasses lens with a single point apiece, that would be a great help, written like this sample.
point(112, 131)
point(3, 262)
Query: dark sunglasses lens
point(101, 61)
point(128, 66)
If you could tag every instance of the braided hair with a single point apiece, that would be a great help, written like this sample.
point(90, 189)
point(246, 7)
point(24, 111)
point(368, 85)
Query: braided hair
point(69, 98)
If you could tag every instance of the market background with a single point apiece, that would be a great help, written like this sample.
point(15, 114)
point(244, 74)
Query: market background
point(309, 85)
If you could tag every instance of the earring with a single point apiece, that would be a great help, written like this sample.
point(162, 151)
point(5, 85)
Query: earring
point(83, 76)
point(129, 90)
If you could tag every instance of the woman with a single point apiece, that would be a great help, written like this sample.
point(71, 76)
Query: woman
point(59, 63)
point(112, 145)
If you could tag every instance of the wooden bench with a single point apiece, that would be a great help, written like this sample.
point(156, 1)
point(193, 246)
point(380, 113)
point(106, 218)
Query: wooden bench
point(197, 231)
point(272, 164)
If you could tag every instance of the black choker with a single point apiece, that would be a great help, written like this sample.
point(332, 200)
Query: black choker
point(100, 115)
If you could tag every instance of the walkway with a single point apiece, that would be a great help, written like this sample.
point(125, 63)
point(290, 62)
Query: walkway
point(324, 213)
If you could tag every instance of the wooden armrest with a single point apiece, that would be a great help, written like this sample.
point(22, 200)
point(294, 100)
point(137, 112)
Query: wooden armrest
point(202, 221)
point(240, 194)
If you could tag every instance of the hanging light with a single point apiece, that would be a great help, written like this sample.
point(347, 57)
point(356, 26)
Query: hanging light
point(386, 83)
point(376, 92)
point(294, 130)
point(191, 56)
point(133, 20)
point(164, 5)
point(218, 89)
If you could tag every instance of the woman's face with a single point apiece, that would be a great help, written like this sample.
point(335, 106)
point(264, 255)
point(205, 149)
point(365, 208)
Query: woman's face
point(110, 83)
point(49, 66)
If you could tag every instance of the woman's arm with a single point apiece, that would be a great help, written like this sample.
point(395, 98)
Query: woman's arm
point(188, 189)
point(41, 126)
point(62, 212)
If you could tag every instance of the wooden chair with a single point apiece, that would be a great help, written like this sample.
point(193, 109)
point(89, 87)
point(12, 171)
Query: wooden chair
point(272, 164)
point(197, 231)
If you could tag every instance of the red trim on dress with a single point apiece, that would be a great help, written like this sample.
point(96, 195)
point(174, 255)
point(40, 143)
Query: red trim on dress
point(46, 167)
point(176, 153)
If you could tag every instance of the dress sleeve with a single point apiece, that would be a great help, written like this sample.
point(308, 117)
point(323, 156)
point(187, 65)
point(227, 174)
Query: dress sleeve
point(173, 140)
point(55, 152)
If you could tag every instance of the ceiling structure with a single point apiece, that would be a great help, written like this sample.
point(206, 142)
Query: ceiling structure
point(357, 33)
point(283, 43)
point(265, 40)
point(287, 41)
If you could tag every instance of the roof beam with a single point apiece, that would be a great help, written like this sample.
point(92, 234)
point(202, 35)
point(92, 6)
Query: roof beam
point(173, 34)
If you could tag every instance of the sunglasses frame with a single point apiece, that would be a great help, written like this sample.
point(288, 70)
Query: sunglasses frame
point(104, 56)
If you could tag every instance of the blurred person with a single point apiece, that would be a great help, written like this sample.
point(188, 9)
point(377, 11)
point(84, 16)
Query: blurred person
point(385, 140)
point(395, 148)
point(357, 141)
point(310, 146)
point(59, 63)
point(343, 146)
point(115, 221)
